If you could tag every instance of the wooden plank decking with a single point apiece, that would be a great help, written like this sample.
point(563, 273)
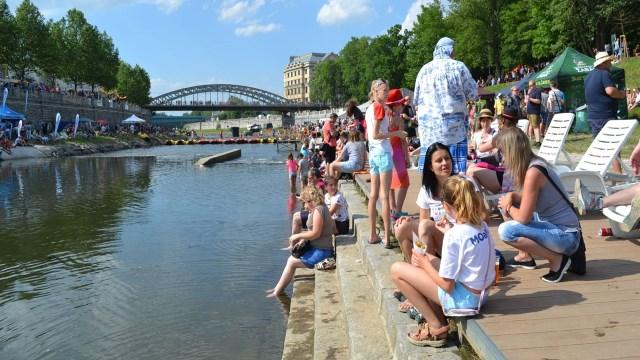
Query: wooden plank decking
point(596, 316)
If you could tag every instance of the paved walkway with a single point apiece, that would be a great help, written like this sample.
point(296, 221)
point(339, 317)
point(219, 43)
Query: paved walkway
point(596, 316)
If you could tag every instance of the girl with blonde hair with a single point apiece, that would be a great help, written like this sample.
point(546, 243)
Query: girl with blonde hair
point(458, 279)
point(320, 227)
point(380, 162)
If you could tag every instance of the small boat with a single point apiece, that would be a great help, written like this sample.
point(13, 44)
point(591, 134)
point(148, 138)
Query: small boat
point(191, 142)
point(241, 141)
point(229, 141)
point(203, 142)
point(253, 141)
point(169, 142)
point(180, 142)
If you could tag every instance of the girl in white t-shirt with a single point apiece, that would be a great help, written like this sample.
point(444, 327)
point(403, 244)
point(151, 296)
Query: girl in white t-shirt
point(458, 278)
point(337, 205)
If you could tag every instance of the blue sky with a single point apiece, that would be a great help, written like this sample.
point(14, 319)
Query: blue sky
point(247, 42)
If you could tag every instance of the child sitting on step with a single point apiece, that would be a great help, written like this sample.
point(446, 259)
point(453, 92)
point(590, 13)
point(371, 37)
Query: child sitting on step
point(458, 278)
point(337, 205)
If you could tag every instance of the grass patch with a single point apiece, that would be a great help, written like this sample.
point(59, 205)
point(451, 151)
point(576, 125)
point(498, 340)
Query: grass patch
point(579, 143)
point(631, 68)
point(496, 88)
point(95, 140)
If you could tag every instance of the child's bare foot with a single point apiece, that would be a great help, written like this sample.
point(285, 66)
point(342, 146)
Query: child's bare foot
point(273, 294)
point(270, 290)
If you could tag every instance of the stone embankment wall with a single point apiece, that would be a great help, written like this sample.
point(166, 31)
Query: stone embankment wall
point(43, 108)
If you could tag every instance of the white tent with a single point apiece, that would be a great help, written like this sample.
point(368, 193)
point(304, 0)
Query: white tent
point(133, 120)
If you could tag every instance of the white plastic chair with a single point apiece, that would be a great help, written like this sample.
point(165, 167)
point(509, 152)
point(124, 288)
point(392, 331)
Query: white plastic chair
point(553, 142)
point(523, 124)
point(599, 156)
point(592, 170)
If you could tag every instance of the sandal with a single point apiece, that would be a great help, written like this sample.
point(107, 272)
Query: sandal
point(405, 306)
point(326, 264)
point(425, 335)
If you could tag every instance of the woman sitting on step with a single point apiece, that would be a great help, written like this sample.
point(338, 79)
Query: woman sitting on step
point(458, 279)
point(423, 231)
point(321, 228)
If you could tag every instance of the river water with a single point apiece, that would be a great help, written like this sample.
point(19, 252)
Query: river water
point(141, 255)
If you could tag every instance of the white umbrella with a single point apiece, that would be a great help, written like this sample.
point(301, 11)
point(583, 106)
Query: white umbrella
point(75, 127)
point(58, 118)
point(133, 120)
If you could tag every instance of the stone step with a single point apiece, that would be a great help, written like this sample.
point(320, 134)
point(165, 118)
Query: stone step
point(377, 261)
point(330, 338)
point(367, 339)
point(298, 341)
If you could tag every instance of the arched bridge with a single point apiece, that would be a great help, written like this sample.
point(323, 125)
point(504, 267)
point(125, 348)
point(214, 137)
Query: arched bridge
point(220, 97)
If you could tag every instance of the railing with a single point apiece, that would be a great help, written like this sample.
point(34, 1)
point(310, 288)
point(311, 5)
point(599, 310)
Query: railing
point(20, 95)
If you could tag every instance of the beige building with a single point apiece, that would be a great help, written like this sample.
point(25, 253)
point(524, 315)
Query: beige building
point(298, 75)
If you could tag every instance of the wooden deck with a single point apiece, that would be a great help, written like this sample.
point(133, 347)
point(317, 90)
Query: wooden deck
point(596, 316)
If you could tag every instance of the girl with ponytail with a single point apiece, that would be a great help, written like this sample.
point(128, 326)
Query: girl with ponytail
point(458, 279)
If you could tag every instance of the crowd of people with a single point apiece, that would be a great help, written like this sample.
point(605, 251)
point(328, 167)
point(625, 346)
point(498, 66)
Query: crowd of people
point(38, 87)
point(448, 251)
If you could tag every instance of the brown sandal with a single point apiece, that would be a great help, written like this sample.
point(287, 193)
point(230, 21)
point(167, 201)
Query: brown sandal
point(425, 335)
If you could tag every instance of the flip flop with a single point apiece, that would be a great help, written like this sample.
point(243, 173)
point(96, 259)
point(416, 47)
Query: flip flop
point(378, 241)
point(387, 245)
point(407, 306)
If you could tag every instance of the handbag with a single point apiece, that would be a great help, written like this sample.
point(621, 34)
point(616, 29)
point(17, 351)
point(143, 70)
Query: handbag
point(579, 258)
point(300, 248)
point(464, 312)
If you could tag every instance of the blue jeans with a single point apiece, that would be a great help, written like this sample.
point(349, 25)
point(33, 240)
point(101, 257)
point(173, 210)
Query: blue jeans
point(544, 233)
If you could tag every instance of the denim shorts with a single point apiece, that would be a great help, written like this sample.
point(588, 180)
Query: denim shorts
point(461, 298)
point(348, 166)
point(544, 233)
point(380, 162)
point(314, 256)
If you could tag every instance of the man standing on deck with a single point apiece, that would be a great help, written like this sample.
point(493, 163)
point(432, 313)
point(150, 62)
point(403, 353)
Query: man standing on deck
point(602, 95)
point(443, 87)
point(328, 140)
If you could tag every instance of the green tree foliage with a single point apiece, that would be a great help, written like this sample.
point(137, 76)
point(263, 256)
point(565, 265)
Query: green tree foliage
point(430, 26)
point(7, 33)
point(385, 57)
point(134, 83)
point(326, 85)
point(52, 63)
point(31, 38)
point(353, 67)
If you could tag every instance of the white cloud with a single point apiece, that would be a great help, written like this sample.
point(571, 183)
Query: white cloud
point(237, 11)
point(252, 29)
point(412, 15)
point(337, 11)
point(389, 9)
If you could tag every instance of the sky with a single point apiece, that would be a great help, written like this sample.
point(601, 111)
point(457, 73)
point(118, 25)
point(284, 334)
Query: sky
point(246, 42)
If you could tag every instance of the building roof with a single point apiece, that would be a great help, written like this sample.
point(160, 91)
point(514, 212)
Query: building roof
point(311, 58)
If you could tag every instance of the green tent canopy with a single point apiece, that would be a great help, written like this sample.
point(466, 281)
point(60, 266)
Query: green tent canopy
point(569, 69)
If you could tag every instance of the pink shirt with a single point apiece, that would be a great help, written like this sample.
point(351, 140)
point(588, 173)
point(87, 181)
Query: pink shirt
point(292, 166)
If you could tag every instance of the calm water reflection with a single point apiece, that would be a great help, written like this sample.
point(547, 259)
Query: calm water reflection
point(141, 255)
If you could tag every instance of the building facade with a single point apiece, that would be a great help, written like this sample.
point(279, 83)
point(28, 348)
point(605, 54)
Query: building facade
point(298, 74)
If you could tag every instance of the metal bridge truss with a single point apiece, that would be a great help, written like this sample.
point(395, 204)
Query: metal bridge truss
point(216, 94)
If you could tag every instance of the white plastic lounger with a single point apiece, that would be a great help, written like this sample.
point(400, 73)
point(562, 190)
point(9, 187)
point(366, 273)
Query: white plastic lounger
point(523, 124)
point(596, 161)
point(553, 142)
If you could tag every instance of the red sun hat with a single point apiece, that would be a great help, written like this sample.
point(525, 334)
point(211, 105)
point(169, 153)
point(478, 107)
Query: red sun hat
point(395, 97)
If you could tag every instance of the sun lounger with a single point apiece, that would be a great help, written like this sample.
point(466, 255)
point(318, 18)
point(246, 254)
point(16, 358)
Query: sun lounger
point(523, 124)
point(554, 138)
point(594, 164)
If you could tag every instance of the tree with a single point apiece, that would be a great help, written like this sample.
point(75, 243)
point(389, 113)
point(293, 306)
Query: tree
point(428, 29)
point(52, 62)
point(74, 66)
point(100, 58)
point(30, 47)
point(352, 61)
point(327, 84)
point(385, 57)
point(134, 83)
point(7, 33)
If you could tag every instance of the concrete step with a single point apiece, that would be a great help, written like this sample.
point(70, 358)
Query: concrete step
point(367, 340)
point(298, 341)
point(330, 339)
point(376, 262)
